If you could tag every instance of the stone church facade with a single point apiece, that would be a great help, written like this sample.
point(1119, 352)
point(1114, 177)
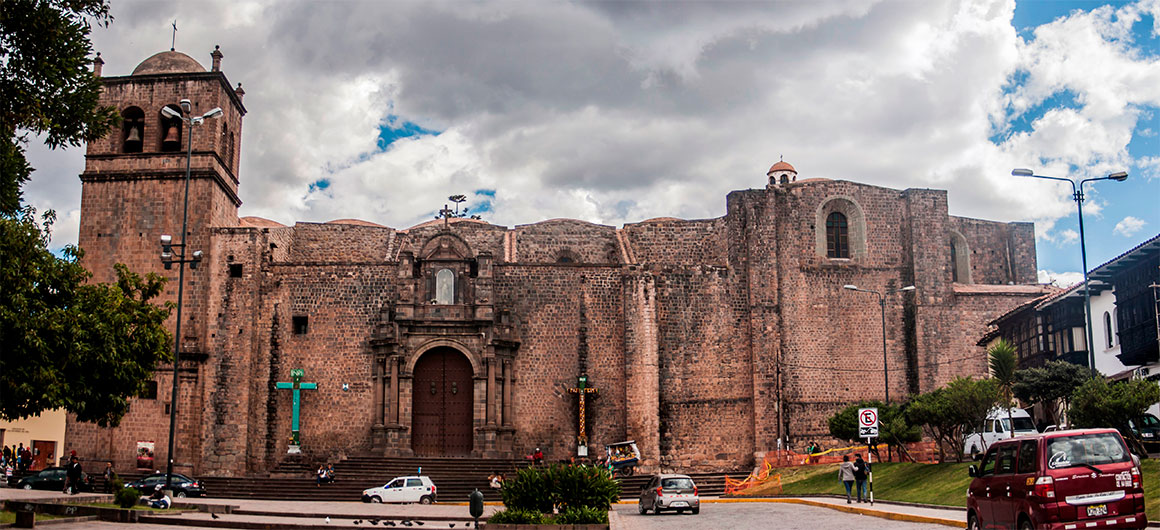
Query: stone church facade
point(707, 340)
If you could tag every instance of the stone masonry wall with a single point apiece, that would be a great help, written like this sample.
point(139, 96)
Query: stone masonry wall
point(548, 241)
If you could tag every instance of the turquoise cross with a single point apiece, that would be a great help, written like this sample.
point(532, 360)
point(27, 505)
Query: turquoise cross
point(296, 386)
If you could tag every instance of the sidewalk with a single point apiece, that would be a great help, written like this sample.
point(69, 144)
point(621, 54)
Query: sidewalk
point(949, 516)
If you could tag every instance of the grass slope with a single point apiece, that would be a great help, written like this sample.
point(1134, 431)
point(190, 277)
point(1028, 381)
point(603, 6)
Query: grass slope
point(943, 484)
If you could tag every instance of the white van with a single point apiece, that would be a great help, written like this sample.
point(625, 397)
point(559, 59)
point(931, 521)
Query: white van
point(998, 427)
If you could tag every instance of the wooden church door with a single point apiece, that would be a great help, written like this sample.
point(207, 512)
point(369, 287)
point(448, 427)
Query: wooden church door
point(441, 417)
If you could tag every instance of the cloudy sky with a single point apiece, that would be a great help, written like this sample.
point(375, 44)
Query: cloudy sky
point(617, 112)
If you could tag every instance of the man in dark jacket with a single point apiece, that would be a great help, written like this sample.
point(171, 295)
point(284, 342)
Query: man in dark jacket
point(73, 483)
point(861, 470)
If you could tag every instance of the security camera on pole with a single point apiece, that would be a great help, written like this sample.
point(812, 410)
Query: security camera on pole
point(868, 428)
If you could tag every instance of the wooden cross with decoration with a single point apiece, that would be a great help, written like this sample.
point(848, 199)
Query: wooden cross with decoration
point(582, 390)
point(296, 386)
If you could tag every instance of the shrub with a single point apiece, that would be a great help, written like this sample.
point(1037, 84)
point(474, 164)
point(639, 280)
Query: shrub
point(583, 487)
point(582, 515)
point(126, 497)
point(517, 516)
point(528, 490)
point(544, 489)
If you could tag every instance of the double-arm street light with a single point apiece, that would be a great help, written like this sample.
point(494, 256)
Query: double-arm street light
point(882, 305)
point(1077, 195)
point(169, 257)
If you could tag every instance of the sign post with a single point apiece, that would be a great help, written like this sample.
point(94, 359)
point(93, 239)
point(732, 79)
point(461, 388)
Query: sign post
point(868, 428)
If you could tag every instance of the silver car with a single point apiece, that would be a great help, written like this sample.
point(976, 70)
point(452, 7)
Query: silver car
point(669, 492)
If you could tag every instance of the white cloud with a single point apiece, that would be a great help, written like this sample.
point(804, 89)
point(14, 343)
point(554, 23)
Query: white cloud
point(1129, 226)
point(1060, 279)
point(639, 110)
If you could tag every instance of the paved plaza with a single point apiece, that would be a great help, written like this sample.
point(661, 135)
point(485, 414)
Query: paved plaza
point(806, 514)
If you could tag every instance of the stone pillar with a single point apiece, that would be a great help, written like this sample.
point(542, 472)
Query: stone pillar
point(642, 376)
point(491, 396)
point(393, 412)
point(507, 393)
point(380, 390)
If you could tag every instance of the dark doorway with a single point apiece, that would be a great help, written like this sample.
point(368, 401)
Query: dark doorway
point(441, 419)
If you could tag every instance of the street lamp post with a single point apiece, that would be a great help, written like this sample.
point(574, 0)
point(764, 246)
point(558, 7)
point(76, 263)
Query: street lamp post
point(1077, 195)
point(169, 257)
point(882, 306)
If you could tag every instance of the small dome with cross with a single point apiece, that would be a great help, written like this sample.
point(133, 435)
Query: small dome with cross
point(781, 173)
point(168, 62)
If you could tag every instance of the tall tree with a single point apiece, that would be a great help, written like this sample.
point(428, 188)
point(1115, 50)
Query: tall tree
point(86, 348)
point(1002, 360)
point(46, 87)
point(952, 412)
point(1099, 404)
point(1050, 385)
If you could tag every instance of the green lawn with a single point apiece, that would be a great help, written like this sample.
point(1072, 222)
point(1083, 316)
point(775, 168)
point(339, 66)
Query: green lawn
point(10, 517)
point(944, 484)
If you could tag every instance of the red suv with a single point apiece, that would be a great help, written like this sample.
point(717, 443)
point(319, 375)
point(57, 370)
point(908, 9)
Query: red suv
point(1059, 480)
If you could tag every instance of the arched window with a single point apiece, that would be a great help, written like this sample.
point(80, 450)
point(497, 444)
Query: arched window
point(445, 287)
point(170, 132)
point(840, 229)
point(132, 130)
point(960, 258)
point(1108, 331)
point(567, 256)
point(837, 236)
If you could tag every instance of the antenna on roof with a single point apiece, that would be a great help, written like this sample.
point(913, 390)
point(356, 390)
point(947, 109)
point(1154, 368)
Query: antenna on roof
point(173, 43)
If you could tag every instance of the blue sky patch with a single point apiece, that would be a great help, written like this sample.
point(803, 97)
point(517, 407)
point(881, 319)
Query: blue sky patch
point(319, 185)
point(395, 129)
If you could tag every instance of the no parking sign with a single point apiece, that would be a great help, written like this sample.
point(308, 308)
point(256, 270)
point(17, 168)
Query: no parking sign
point(867, 423)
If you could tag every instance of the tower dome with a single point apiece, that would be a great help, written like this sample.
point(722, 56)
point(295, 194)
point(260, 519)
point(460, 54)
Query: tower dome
point(781, 173)
point(170, 62)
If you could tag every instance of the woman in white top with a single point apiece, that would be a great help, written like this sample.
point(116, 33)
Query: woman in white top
point(846, 475)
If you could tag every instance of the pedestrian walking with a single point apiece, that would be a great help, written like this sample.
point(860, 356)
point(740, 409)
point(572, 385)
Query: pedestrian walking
point(72, 484)
point(846, 475)
point(861, 470)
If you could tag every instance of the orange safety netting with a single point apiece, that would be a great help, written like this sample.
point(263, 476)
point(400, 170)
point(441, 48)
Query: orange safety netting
point(917, 452)
point(760, 477)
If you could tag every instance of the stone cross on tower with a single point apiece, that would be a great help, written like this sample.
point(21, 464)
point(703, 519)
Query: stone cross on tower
point(296, 386)
point(582, 392)
point(445, 213)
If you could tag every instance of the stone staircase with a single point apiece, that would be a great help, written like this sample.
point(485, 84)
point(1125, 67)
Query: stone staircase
point(455, 479)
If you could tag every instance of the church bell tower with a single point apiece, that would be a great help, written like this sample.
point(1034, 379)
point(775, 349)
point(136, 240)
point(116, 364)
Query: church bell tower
point(133, 191)
point(133, 184)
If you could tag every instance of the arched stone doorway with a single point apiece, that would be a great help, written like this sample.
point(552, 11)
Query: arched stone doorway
point(442, 394)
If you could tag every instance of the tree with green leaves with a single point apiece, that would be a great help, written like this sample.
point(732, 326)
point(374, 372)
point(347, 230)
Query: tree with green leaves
point(69, 344)
point(46, 87)
point(1001, 357)
point(1097, 403)
point(1050, 385)
point(952, 412)
point(893, 427)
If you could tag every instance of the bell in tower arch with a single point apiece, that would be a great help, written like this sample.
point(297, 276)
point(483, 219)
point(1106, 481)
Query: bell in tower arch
point(172, 141)
point(134, 135)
